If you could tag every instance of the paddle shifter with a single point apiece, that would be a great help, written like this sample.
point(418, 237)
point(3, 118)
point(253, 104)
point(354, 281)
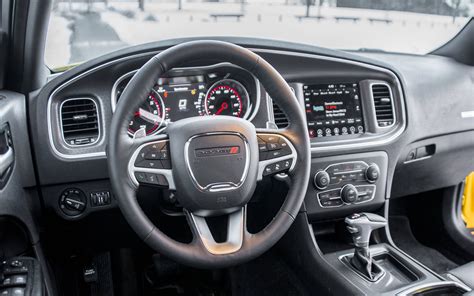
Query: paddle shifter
point(361, 226)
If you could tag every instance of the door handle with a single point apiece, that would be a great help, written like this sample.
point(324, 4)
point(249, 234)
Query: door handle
point(6, 160)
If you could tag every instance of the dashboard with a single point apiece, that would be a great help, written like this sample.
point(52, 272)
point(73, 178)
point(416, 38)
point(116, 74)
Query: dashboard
point(356, 108)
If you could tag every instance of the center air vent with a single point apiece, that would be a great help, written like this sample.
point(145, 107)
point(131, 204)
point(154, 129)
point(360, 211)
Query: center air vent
point(383, 104)
point(79, 121)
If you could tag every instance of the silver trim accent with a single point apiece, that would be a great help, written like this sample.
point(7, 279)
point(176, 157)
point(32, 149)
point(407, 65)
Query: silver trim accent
point(262, 164)
point(99, 121)
point(394, 113)
point(412, 290)
point(358, 272)
point(253, 110)
point(370, 143)
point(167, 173)
point(235, 233)
point(235, 81)
point(220, 186)
point(344, 144)
point(343, 202)
point(62, 86)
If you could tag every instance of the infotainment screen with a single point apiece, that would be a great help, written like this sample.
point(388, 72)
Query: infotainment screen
point(333, 109)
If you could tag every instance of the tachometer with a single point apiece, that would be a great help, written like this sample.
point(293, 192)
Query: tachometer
point(149, 115)
point(227, 97)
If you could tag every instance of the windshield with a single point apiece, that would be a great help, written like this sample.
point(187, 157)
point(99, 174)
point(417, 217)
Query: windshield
point(80, 30)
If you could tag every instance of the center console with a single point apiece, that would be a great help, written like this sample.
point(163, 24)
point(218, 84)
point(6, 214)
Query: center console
point(345, 184)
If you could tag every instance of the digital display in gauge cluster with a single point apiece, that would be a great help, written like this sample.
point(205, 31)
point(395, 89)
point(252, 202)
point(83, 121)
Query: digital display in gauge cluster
point(175, 98)
point(333, 109)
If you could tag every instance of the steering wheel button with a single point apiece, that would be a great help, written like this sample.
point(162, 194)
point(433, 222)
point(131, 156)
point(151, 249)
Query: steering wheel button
point(273, 146)
point(262, 147)
point(268, 170)
point(164, 154)
point(152, 155)
point(275, 154)
point(287, 163)
point(166, 164)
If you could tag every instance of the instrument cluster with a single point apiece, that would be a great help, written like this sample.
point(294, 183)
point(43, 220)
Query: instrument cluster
point(221, 89)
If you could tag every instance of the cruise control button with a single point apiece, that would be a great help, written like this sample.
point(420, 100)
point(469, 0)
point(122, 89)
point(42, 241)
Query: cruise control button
point(269, 138)
point(274, 154)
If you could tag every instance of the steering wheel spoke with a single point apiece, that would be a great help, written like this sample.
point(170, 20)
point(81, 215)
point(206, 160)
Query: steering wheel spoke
point(236, 228)
point(276, 153)
point(150, 162)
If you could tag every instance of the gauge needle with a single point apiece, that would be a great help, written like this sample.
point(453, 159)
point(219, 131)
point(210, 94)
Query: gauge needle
point(148, 116)
point(223, 107)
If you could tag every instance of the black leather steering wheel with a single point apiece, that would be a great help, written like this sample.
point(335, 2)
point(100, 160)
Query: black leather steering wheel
point(213, 161)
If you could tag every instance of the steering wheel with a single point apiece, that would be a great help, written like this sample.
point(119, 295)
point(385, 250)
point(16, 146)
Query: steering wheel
point(212, 162)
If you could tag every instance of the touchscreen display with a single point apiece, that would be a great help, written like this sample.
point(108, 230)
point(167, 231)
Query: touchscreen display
point(333, 109)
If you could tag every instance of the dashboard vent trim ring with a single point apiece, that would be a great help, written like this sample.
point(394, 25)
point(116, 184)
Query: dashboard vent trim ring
point(383, 104)
point(79, 121)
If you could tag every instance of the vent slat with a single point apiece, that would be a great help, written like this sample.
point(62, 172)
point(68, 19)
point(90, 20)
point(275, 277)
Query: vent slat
point(279, 117)
point(79, 120)
point(383, 104)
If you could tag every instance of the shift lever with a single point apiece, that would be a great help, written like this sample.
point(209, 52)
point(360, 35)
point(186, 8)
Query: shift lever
point(361, 226)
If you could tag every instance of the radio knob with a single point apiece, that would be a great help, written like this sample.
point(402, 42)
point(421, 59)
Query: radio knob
point(321, 180)
point(372, 173)
point(349, 193)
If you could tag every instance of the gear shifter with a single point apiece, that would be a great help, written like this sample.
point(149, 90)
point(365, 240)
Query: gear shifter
point(361, 226)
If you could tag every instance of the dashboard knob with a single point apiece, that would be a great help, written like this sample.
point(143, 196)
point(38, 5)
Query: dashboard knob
point(321, 180)
point(349, 193)
point(372, 173)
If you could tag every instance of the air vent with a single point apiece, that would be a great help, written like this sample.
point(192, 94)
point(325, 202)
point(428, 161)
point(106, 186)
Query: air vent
point(280, 118)
point(383, 104)
point(79, 121)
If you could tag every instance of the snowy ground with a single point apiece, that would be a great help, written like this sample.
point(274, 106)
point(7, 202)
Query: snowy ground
point(126, 25)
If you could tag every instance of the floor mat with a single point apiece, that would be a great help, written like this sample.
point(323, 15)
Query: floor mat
point(403, 237)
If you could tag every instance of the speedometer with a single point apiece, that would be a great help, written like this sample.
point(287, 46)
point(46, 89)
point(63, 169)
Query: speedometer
point(227, 97)
point(148, 116)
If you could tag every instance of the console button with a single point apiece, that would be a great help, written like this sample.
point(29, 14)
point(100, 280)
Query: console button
point(321, 180)
point(150, 164)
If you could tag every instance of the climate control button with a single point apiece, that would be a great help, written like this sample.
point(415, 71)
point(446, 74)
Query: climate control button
point(349, 193)
point(372, 173)
point(321, 180)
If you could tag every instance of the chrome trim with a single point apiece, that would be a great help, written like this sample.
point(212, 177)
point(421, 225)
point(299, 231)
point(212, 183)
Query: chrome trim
point(343, 202)
point(235, 233)
point(370, 142)
point(62, 86)
point(220, 186)
point(99, 121)
point(167, 173)
point(235, 81)
point(262, 164)
point(374, 113)
point(417, 288)
point(358, 272)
